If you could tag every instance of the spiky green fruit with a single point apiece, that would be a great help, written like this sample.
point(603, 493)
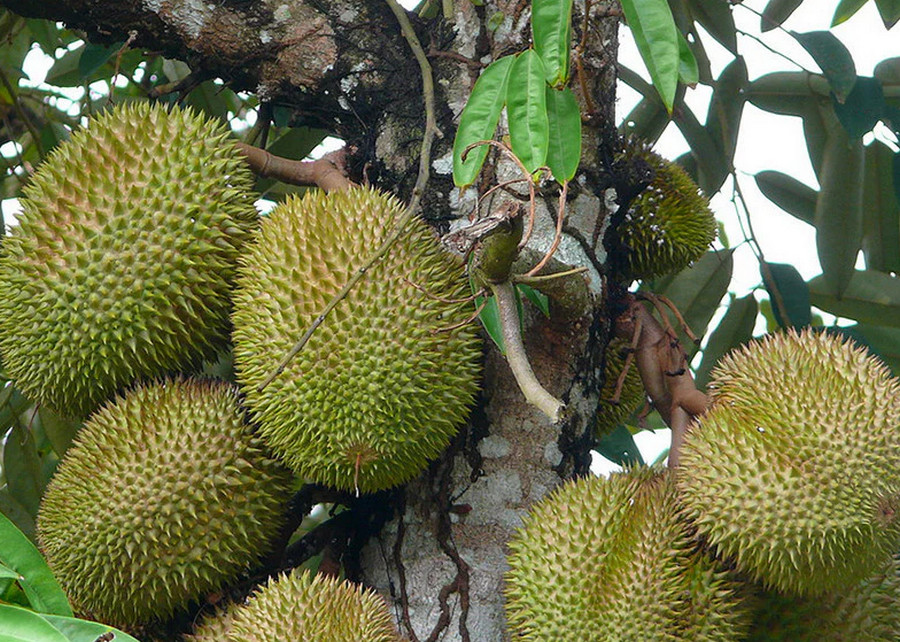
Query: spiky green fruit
point(868, 612)
point(125, 252)
point(795, 469)
point(165, 495)
point(214, 626)
point(610, 560)
point(610, 414)
point(384, 383)
point(669, 224)
point(303, 606)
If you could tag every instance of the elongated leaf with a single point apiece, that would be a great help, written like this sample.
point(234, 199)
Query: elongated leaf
point(890, 12)
point(95, 56)
point(863, 107)
point(35, 578)
point(490, 320)
point(688, 71)
point(17, 623)
point(60, 431)
point(846, 9)
point(22, 468)
point(815, 132)
point(794, 197)
point(883, 341)
point(16, 513)
point(538, 299)
point(64, 72)
point(776, 12)
point(713, 165)
point(789, 294)
point(871, 297)
point(526, 104)
point(833, 59)
point(8, 573)
point(718, 21)
point(735, 328)
point(564, 119)
point(787, 92)
point(838, 219)
point(727, 105)
point(654, 31)
point(551, 26)
point(647, 121)
point(77, 630)
point(697, 291)
point(881, 210)
point(478, 120)
point(618, 446)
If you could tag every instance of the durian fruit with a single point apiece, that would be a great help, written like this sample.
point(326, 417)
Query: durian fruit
point(165, 495)
point(125, 252)
point(794, 471)
point(868, 612)
point(669, 224)
point(611, 560)
point(609, 414)
point(384, 383)
point(304, 607)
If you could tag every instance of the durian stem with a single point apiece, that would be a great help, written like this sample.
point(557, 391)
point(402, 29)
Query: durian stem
point(534, 392)
point(324, 172)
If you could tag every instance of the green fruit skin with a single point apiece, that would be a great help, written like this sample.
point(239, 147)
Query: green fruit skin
point(303, 606)
point(670, 224)
point(124, 256)
point(868, 612)
point(609, 414)
point(383, 384)
point(794, 472)
point(610, 559)
point(165, 495)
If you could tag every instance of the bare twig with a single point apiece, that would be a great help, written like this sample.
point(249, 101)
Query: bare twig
point(560, 216)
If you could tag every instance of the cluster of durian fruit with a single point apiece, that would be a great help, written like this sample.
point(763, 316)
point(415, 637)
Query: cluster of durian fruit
point(780, 522)
point(138, 257)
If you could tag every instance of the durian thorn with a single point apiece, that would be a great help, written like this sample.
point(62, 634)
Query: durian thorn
point(467, 321)
point(560, 217)
point(435, 297)
point(525, 174)
point(516, 356)
point(543, 278)
point(325, 173)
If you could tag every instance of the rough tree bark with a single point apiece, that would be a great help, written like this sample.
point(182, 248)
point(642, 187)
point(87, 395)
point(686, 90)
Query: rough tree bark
point(343, 65)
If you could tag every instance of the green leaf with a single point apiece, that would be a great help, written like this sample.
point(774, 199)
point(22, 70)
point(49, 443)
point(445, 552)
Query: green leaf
point(59, 430)
point(618, 446)
point(526, 105)
point(93, 57)
point(478, 120)
point(688, 71)
point(883, 341)
point(845, 9)
point(697, 291)
point(77, 630)
point(46, 34)
point(35, 578)
point(490, 320)
point(564, 118)
point(735, 328)
point(871, 297)
point(790, 93)
point(8, 573)
point(776, 12)
point(794, 197)
point(64, 72)
point(656, 36)
point(22, 468)
point(551, 25)
point(713, 165)
point(833, 59)
point(723, 119)
point(788, 289)
point(539, 299)
point(890, 12)
point(839, 223)
point(647, 121)
point(717, 19)
point(16, 513)
point(23, 625)
point(863, 108)
point(881, 209)
point(815, 132)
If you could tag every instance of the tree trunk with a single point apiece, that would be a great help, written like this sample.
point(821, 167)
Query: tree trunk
point(344, 66)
